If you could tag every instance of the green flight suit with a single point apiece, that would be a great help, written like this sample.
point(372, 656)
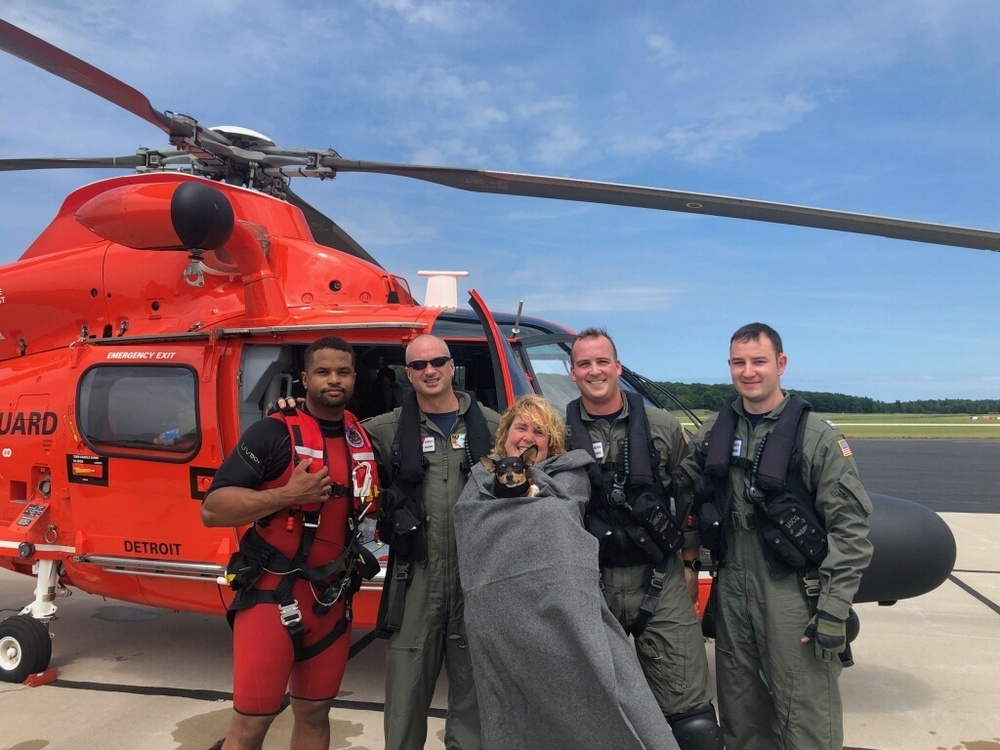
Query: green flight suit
point(671, 648)
point(433, 627)
point(774, 693)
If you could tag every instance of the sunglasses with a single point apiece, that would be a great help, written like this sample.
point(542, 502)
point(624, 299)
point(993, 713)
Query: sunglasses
point(421, 364)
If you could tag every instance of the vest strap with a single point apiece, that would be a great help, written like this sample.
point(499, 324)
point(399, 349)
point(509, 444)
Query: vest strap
point(653, 591)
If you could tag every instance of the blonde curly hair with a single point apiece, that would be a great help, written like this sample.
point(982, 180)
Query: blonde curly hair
point(538, 411)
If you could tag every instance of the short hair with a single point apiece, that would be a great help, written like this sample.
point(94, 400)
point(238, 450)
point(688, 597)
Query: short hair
point(537, 410)
point(753, 331)
point(594, 333)
point(327, 342)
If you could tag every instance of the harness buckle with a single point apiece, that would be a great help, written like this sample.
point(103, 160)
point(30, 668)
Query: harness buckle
point(657, 580)
point(812, 587)
point(290, 614)
point(310, 520)
point(746, 522)
point(402, 572)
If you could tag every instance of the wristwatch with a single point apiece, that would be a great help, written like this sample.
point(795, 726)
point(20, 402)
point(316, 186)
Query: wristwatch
point(695, 564)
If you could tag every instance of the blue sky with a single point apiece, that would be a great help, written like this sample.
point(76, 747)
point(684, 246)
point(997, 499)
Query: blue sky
point(883, 108)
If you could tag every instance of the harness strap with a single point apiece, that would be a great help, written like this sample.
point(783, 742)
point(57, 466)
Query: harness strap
point(781, 443)
point(720, 444)
point(639, 466)
point(390, 616)
point(653, 591)
point(291, 618)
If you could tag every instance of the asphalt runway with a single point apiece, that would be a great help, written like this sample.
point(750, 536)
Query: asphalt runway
point(955, 476)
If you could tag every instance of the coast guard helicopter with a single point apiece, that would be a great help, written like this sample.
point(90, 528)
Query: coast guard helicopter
point(162, 312)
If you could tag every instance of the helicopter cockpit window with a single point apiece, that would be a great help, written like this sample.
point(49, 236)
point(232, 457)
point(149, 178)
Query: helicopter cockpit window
point(144, 408)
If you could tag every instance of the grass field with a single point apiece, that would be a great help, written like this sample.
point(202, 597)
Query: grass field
point(927, 426)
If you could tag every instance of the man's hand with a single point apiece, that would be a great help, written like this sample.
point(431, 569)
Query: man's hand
point(304, 488)
point(690, 554)
point(829, 636)
point(286, 403)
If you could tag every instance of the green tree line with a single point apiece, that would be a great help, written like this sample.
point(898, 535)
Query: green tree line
point(712, 397)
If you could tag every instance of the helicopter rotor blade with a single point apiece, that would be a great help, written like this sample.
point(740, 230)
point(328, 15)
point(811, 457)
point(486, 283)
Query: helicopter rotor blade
point(40, 53)
point(182, 129)
point(108, 162)
point(538, 186)
point(327, 232)
point(217, 156)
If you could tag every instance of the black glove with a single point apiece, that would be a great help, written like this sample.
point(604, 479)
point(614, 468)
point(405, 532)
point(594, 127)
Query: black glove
point(828, 634)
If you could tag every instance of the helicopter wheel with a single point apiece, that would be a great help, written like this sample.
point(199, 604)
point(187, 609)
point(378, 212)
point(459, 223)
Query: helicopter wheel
point(25, 648)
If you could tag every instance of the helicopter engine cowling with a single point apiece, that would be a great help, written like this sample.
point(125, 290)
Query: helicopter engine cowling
point(191, 216)
point(161, 216)
point(913, 551)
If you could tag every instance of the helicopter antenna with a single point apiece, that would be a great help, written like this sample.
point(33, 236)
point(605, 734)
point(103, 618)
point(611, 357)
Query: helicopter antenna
point(442, 288)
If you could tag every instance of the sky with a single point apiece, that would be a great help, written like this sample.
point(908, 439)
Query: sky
point(882, 108)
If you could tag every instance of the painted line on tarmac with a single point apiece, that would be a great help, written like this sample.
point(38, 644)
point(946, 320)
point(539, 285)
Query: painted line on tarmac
point(159, 690)
point(975, 594)
point(214, 696)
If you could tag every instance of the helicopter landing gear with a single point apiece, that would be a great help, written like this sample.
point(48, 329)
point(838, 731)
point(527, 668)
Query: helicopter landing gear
point(25, 643)
point(25, 648)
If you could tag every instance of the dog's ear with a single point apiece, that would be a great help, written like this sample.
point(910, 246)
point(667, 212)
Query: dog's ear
point(529, 455)
point(488, 462)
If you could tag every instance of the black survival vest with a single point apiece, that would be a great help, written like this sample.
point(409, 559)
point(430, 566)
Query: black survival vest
point(401, 522)
point(402, 501)
point(256, 556)
point(784, 508)
point(628, 511)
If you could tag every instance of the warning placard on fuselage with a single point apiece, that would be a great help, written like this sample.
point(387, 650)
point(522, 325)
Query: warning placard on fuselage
point(87, 469)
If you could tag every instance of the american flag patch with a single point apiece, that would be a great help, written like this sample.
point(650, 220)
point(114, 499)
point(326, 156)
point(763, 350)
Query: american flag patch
point(844, 447)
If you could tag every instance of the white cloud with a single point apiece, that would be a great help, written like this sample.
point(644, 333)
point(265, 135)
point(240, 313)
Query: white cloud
point(738, 124)
point(445, 15)
point(560, 144)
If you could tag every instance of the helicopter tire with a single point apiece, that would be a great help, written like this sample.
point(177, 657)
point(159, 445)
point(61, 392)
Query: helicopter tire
point(25, 648)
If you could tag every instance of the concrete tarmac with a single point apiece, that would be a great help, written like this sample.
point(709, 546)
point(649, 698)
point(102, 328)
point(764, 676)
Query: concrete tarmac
point(926, 675)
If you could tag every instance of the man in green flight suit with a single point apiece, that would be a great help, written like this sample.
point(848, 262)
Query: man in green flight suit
point(424, 450)
point(782, 599)
point(649, 586)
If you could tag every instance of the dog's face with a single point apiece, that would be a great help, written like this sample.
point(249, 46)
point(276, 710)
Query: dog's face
point(511, 473)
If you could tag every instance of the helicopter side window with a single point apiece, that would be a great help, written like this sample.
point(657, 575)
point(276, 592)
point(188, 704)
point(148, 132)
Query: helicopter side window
point(268, 372)
point(153, 408)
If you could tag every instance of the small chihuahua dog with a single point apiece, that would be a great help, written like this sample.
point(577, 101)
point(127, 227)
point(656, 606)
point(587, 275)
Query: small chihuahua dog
point(512, 476)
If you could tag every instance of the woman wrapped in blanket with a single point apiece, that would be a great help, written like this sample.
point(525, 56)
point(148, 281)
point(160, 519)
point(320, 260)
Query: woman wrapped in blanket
point(553, 667)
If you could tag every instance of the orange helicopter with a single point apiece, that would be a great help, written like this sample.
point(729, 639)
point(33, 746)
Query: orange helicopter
point(162, 312)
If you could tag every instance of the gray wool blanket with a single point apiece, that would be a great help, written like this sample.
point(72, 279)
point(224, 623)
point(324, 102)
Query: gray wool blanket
point(554, 670)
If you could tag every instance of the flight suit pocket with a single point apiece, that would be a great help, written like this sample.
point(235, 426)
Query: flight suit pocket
point(850, 486)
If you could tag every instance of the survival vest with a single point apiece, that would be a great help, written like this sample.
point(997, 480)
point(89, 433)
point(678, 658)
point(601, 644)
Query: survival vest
point(269, 545)
point(784, 508)
point(401, 522)
point(402, 502)
point(628, 510)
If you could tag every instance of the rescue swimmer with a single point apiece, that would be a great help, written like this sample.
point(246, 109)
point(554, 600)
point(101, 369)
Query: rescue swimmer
point(302, 478)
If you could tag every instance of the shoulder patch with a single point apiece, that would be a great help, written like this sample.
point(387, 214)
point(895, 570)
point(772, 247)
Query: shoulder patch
point(844, 447)
point(353, 438)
